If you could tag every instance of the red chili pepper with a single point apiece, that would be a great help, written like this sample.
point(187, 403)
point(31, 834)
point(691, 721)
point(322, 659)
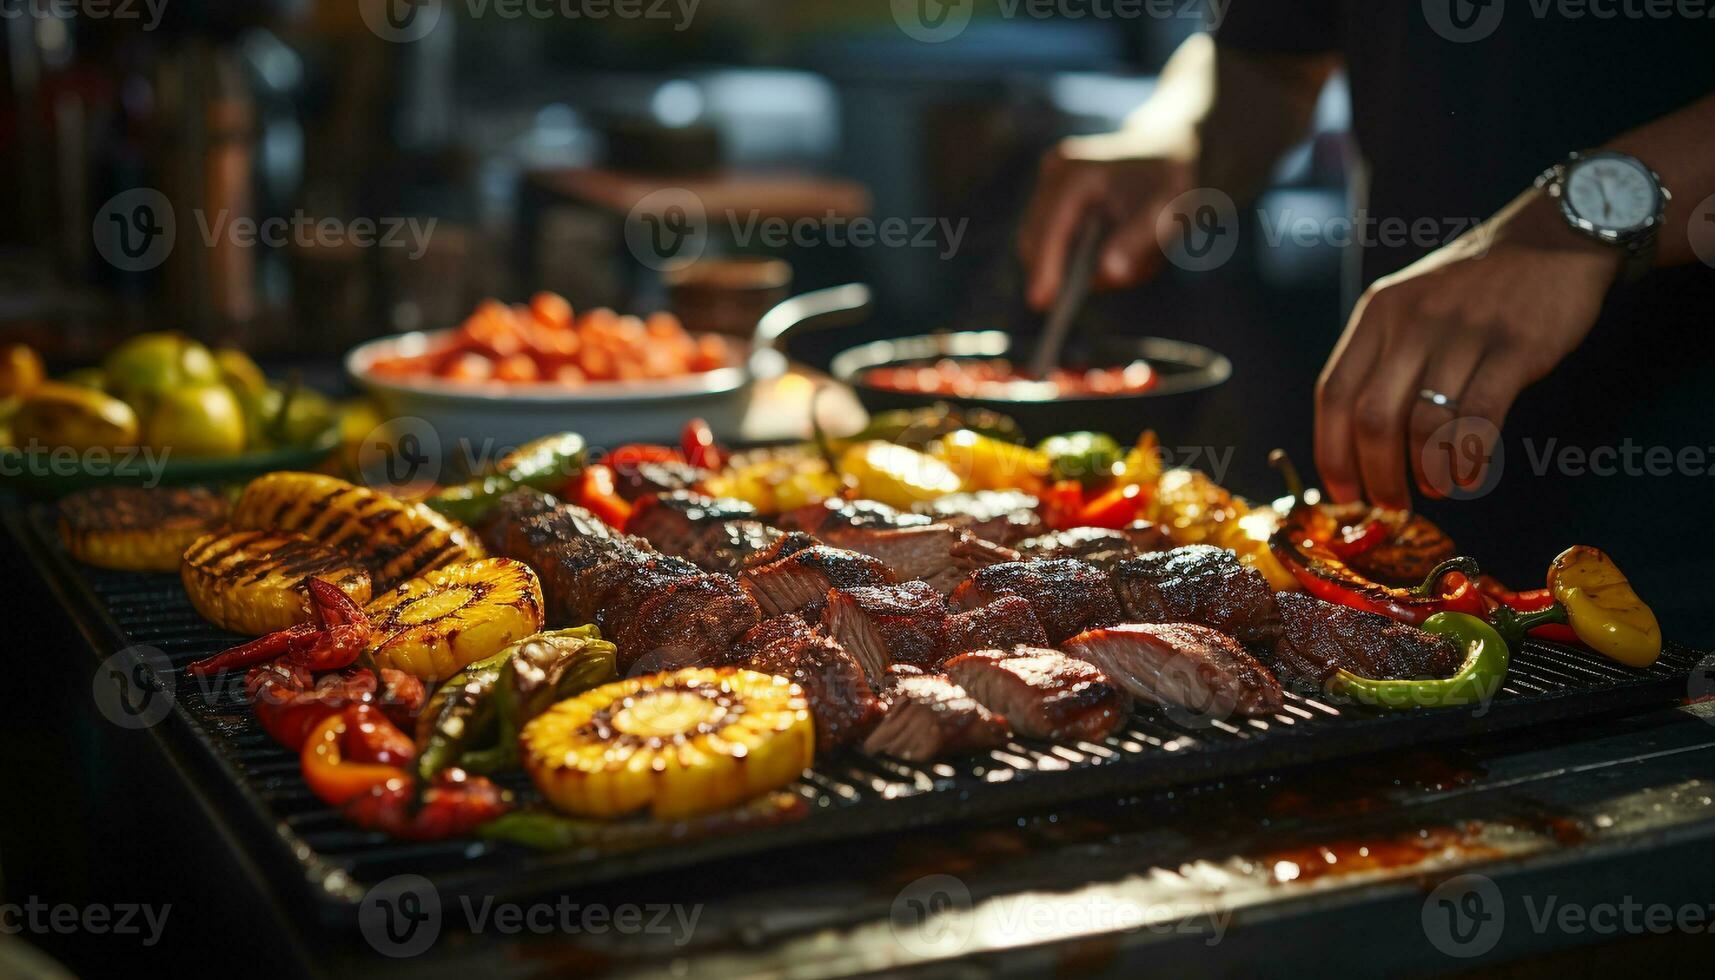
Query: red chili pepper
point(697, 443)
point(454, 804)
point(1449, 587)
point(334, 640)
point(328, 761)
point(1535, 600)
point(290, 702)
point(1062, 503)
point(1353, 540)
point(597, 494)
point(1114, 509)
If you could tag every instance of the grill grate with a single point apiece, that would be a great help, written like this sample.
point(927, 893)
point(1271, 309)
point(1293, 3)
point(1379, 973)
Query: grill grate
point(847, 794)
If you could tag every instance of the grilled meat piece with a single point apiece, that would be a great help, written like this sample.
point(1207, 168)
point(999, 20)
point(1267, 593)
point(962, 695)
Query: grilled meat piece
point(788, 544)
point(929, 717)
point(1147, 536)
point(935, 553)
point(673, 522)
point(731, 545)
point(852, 514)
point(883, 624)
point(1067, 596)
point(561, 541)
point(1096, 546)
point(636, 480)
point(1199, 583)
point(758, 638)
point(842, 702)
point(1001, 516)
point(609, 592)
point(1182, 664)
point(1317, 638)
point(805, 576)
point(693, 622)
point(1005, 623)
point(1043, 693)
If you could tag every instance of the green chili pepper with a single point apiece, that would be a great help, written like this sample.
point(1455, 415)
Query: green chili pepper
point(921, 426)
point(457, 715)
point(544, 464)
point(1477, 679)
point(1088, 457)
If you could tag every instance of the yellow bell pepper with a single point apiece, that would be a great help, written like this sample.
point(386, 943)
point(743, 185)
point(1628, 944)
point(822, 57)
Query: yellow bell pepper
point(897, 476)
point(986, 463)
point(1142, 464)
point(1602, 608)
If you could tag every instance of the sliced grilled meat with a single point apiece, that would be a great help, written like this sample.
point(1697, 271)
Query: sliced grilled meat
point(1001, 516)
point(930, 717)
point(609, 592)
point(1096, 546)
point(842, 702)
point(1147, 536)
point(692, 622)
point(1067, 596)
point(768, 631)
point(674, 522)
point(806, 576)
point(563, 543)
point(1182, 664)
point(790, 543)
point(731, 545)
point(1199, 584)
point(1043, 693)
point(634, 481)
point(1317, 638)
point(837, 513)
point(883, 624)
point(935, 553)
point(1005, 623)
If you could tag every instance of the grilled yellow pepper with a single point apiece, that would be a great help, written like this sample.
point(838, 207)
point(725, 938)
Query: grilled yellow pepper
point(1601, 607)
point(987, 463)
point(897, 476)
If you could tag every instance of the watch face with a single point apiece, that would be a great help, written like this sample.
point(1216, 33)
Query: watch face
point(1613, 193)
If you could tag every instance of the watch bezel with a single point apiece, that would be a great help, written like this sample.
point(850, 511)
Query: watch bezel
point(1643, 231)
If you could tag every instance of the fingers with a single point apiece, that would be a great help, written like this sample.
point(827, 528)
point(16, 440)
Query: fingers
point(1483, 408)
point(1381, 411)
point(1336, 390)
point(1449, 372)
point(1132, 253)
point(1059, 206)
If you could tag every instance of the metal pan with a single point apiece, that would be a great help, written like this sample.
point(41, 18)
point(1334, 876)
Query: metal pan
point(1188, 372)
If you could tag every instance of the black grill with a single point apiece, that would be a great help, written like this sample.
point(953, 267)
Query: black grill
point(847, 794)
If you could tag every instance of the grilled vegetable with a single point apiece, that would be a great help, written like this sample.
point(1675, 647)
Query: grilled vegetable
point(488, 702)
point(544, 464)
point(253, 581)
point(431, 627)
point(395, 540)
point(290, 702)
point(134, 529)
point(549, 831)
point(332, 640)
point(985, 463)
point(52, 414)
point(1588, 593)
point(687, 742)
point(1088, 457)
point(897, 476)
point(353, 752)
point(453, 805)
point(1476, 681)
point(921, 426)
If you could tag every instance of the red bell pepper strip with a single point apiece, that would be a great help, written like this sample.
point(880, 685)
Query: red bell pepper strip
point(1450, 586)
point(697, 443)
point(1114, 509)
point(596, 493)
point(1533, 601)
point(454, 804)
point(1062, 503)
point(289, 702)
point(1355, 539)
point(333, 757)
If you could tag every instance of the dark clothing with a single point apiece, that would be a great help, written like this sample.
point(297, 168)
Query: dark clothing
point(1450, 130)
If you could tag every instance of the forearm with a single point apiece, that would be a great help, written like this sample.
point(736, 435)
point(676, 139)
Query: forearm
point(1679, 146)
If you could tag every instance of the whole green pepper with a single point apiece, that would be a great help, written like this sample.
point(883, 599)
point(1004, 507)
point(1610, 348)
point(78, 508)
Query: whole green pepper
point(456, 716)
point(1476, 681)
point(539, 672)
point(1088, 457)
point(544, 464)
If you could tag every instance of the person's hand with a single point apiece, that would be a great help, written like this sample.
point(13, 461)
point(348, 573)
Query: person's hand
point(1124, 180)
point(1477, 320)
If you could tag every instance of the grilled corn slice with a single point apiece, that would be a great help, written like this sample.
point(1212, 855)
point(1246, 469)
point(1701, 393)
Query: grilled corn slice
point(432, 627)
point(680, 743)
point(395, 540)
point(133, 529)
point(252, 581)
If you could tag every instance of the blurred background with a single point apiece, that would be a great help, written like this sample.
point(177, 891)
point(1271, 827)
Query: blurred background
point(523, 138)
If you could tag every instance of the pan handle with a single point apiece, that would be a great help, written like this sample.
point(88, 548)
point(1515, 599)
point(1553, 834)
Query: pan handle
point(836, 306)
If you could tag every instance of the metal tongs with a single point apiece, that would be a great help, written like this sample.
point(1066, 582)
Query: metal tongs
point(1074, 288)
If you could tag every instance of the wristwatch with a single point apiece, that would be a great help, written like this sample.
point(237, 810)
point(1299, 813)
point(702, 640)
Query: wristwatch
point(1613, 198)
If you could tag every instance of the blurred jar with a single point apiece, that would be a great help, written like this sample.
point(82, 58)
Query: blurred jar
point(727, 295)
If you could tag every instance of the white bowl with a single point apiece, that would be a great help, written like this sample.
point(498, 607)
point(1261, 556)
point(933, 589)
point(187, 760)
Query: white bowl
point(605, 413)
